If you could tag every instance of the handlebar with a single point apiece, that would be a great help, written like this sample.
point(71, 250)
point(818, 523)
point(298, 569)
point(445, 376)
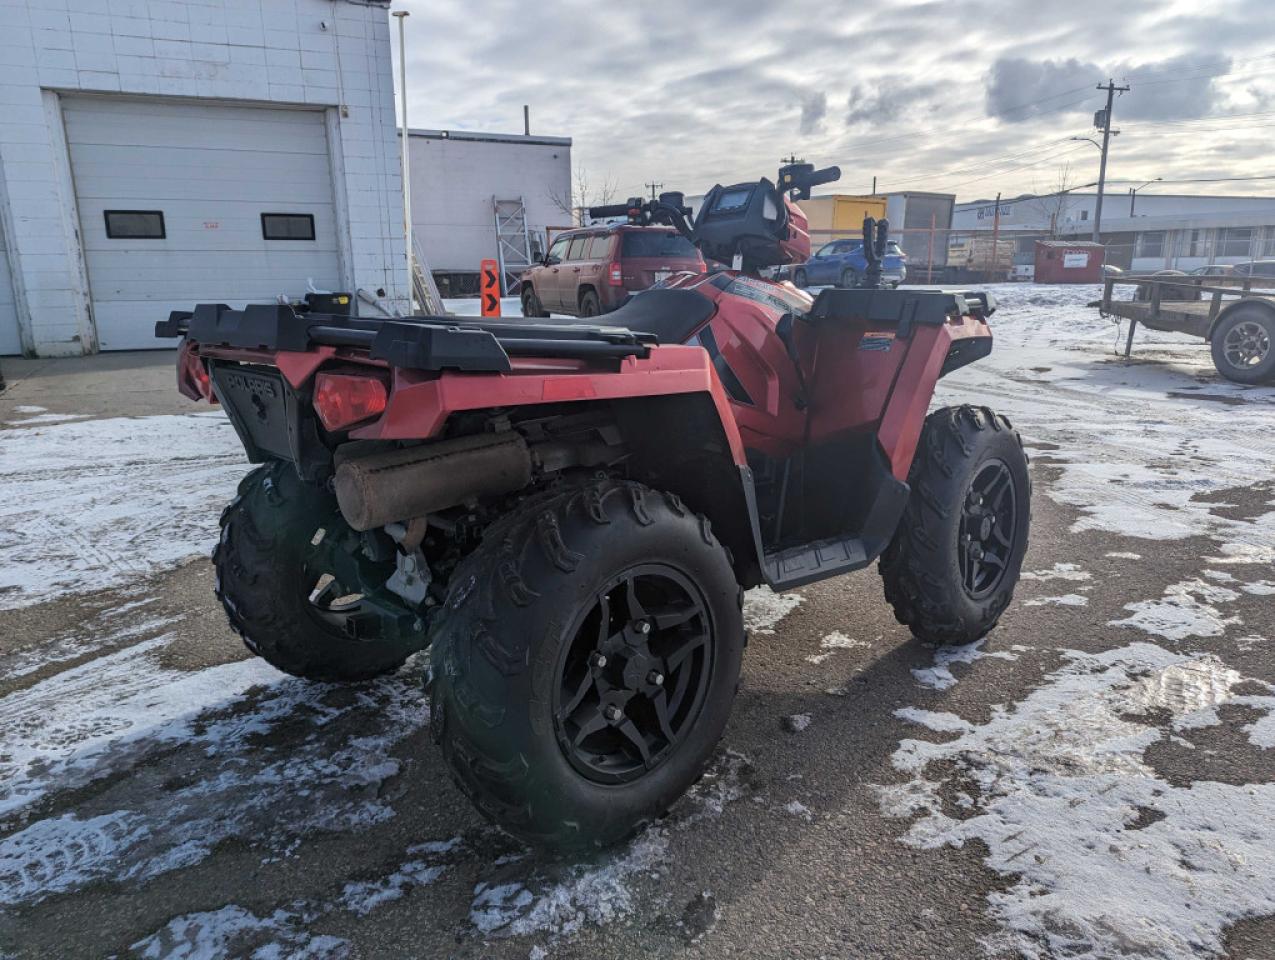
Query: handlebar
point(826, 175)
point(611, 210)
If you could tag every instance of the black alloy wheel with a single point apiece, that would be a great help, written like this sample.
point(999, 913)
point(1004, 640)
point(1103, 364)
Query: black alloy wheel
point(988, 520)
point(634, 679)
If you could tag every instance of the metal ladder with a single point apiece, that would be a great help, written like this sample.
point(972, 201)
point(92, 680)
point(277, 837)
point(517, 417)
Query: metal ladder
point(513, 241)
point(424, 289)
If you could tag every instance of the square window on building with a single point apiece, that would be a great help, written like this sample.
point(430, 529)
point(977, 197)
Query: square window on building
point(1235, 242)
point(135, 224)
point(1084, 214)
point(1151, 243)
point(287, 226)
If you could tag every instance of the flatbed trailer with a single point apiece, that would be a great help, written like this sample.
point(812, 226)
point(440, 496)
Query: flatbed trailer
point(1236, 315)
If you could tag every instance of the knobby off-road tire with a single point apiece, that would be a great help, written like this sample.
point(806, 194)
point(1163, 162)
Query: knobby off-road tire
point(263, 561)
point(1243, 345)
point(517, 645)
point(965, 453)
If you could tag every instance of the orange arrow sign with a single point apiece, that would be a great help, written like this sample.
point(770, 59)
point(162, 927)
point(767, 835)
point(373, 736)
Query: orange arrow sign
point(489, 288)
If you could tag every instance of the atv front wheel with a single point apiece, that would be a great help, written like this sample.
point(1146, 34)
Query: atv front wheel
point(585, 661)
point(951, 569)
point(299, 587)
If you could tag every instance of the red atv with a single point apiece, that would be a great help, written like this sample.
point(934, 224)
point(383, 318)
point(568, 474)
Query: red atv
point(570, 512)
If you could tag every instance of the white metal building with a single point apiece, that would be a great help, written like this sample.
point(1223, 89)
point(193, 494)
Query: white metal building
point(456, 177)
point(1144, 231)
point(157, 154)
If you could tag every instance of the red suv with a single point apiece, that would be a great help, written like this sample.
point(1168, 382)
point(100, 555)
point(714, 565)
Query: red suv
point(593, 270)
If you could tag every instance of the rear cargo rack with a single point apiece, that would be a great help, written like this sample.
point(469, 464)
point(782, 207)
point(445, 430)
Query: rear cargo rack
point(416, 343)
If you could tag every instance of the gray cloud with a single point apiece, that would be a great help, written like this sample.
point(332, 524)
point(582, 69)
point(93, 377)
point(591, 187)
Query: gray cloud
point(1019, 89)
point(813, 109)
point(885, 100)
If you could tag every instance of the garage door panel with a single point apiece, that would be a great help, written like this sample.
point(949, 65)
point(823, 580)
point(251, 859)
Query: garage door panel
point(212, 170)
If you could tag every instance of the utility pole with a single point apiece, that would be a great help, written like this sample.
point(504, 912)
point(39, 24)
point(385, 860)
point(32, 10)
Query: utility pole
point(653, 187)
point(1112, 90)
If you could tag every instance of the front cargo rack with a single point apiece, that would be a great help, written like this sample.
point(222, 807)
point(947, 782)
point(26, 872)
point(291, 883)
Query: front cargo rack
point(416, 343)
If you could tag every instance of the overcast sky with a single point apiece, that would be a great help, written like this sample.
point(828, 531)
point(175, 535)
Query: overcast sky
point(961, 96)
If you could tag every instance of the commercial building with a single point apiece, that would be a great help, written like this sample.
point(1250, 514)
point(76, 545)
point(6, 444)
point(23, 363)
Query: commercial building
point(156, 154)
point(485, 195)
point(1141, 231)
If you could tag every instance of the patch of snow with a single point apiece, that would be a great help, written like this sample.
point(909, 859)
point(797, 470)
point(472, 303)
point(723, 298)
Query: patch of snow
point(1187, 609)
point(796, 808)
point(1062, 782)
point(364, 896)
point(99, 503)
point(599, 893)
point(1059, 571)
point(940, 676)
point(234, 931)
point(763, 609)
point(937, 721)
point(833, 642)
point(1260, 588)
point(1221, 576)
point(113, 715)
point(43, 418)
point(1064, 600)
point(1123, 555)
point(25, 408)
point(797, 722)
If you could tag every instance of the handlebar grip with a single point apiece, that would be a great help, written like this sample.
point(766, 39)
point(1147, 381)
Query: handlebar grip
point(826, 175)
point(611, 210)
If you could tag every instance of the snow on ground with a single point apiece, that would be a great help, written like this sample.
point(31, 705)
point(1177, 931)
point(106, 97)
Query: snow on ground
point(233, 931)
point(1187, 609)
point(1103, 857)
point(99, 503)
point(940, 676)
point(763, 609)
point(603, 892)
point(114, 714)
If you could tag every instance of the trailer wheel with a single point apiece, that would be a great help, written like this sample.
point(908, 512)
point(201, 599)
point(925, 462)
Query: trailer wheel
point(1243, 345)
point(299, 590)
point(585, 661)
point(951, 569)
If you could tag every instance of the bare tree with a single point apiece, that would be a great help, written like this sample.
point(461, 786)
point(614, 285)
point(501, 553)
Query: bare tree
point(584, 194)
point(1056, 202)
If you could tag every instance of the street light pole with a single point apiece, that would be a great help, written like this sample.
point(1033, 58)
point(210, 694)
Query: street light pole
point(407, 180)
point(1133, 193)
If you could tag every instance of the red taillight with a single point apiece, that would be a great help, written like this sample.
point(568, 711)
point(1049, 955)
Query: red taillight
point(615, 275)
point(344, 399)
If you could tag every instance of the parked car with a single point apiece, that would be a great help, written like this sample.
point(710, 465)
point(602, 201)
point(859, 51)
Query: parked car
point(1212, 270)
point(842, 263)
point(594, 270)
point(1255, 268)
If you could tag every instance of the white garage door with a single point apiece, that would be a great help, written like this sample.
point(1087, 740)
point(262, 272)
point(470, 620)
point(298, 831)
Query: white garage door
point(9, 342)
point(197, 203)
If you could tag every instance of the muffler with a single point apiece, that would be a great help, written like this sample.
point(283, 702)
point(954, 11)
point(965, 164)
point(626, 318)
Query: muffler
point(398, 485)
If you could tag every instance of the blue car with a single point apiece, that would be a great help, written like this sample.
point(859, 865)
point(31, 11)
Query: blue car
point(841, 262)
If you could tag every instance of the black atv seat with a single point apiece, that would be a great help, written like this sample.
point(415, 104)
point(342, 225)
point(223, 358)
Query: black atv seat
point(672, 316)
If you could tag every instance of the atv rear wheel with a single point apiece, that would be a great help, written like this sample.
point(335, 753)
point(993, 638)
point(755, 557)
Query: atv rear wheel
point(951, 569)
point(585, 661)
point(299, 588)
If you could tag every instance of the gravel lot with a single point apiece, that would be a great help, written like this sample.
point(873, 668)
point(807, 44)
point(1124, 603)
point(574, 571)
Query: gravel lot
point(1094, 780)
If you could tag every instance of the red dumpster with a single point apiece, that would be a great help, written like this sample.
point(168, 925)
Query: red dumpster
point(1062, 261)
